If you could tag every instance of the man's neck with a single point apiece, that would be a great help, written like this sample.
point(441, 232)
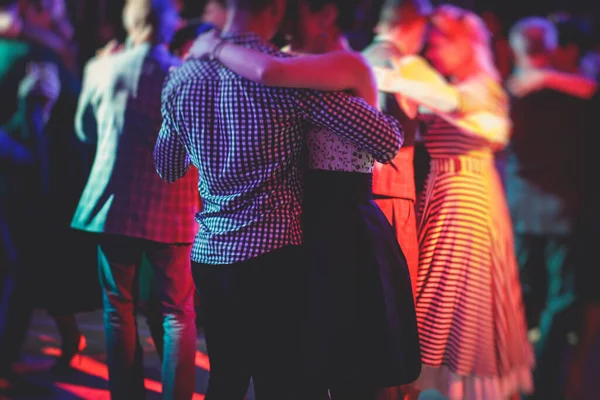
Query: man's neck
point(244, 22)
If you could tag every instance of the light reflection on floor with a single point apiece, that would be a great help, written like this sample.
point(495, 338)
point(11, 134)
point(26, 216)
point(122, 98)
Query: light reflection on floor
point(88, 379)
point(89, 375)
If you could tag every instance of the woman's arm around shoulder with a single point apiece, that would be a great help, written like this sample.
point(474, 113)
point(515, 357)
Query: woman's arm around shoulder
point(484, 110)
point(333, 71)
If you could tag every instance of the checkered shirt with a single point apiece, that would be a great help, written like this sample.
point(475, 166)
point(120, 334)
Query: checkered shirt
point(245, 139)
point(119, 109)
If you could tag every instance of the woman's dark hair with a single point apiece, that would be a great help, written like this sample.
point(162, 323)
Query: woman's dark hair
point(188, 33)
point(347, 9)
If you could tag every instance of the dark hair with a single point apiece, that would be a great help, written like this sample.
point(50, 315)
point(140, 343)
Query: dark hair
point(576, 32)
point(249, 5)
point(8, 3)
point(346, 19)
point(188, 33)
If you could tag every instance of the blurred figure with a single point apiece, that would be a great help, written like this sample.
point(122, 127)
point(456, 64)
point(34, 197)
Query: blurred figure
point(405, 24)
point(549, 199)
point(132, 210)
point(30, 86)
point(590, 64)
point(503, 59)
point(215, 13)
point(400, 36)
point(471, 320)
point(586, 287)
point(42, 21)
point(500, 47)
point(546, 190)
point(574, 36)
point(47, 23)
point(23, 197)
point(67, 167)
point(401, 31)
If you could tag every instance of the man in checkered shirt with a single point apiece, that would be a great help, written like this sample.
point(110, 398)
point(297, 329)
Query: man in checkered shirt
point(132, 209)
point(245, 139)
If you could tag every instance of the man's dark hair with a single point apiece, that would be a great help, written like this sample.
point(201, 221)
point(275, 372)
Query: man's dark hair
point(346, 19)
point(8, 3)
point(187, 34)
point(397, 11)
point(249, 5)
point(538, 35)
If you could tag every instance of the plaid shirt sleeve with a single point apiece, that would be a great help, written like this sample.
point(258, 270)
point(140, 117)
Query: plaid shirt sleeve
point(351, 117)
point(171, 158)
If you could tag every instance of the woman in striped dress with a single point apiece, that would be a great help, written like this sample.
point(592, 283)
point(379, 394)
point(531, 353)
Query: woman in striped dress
point(469, 309)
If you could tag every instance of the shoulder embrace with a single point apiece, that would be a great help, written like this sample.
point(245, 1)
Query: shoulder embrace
point(358, 62)
point(484, 94)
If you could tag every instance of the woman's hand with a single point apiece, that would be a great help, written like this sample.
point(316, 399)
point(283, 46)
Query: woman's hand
point(109, 48)
point(525, 82)
point(384, 78)
point(204, 45)
point(10, 25)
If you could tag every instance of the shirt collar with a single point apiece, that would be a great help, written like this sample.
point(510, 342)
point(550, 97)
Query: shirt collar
point(243, 38)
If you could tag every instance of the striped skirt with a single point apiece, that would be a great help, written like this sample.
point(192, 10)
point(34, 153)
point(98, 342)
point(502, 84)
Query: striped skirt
point(469, 309)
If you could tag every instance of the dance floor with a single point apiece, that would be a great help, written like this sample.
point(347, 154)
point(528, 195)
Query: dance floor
point(88, 380)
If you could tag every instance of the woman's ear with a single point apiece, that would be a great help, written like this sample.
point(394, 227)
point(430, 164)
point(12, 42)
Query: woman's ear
point(329, 16)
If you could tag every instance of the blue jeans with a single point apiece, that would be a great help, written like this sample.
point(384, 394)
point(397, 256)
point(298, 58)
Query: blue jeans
point(120, 260)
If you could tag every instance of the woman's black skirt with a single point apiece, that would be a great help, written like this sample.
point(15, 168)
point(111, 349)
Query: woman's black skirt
point(362, 322)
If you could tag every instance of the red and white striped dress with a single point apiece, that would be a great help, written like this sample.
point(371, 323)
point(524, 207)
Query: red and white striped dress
point(470, 313)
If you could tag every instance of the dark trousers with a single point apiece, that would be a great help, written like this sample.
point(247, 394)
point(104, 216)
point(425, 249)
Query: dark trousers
point(120, 259)
point(17, 282)
point(16, 307)
point(253, 315)
point(548, 265)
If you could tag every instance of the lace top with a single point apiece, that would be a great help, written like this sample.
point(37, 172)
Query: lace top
point(330, 152)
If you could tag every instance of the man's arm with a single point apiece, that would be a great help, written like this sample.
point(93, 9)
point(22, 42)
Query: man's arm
point(577, 85)
point(387, 55)
point(352, 118)
point(170, 155)
point(86, 125)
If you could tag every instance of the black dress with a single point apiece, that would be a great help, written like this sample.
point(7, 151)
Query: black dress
point(362, 319)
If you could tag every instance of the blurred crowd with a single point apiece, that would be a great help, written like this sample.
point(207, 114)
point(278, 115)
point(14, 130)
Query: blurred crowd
point(548, 65)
